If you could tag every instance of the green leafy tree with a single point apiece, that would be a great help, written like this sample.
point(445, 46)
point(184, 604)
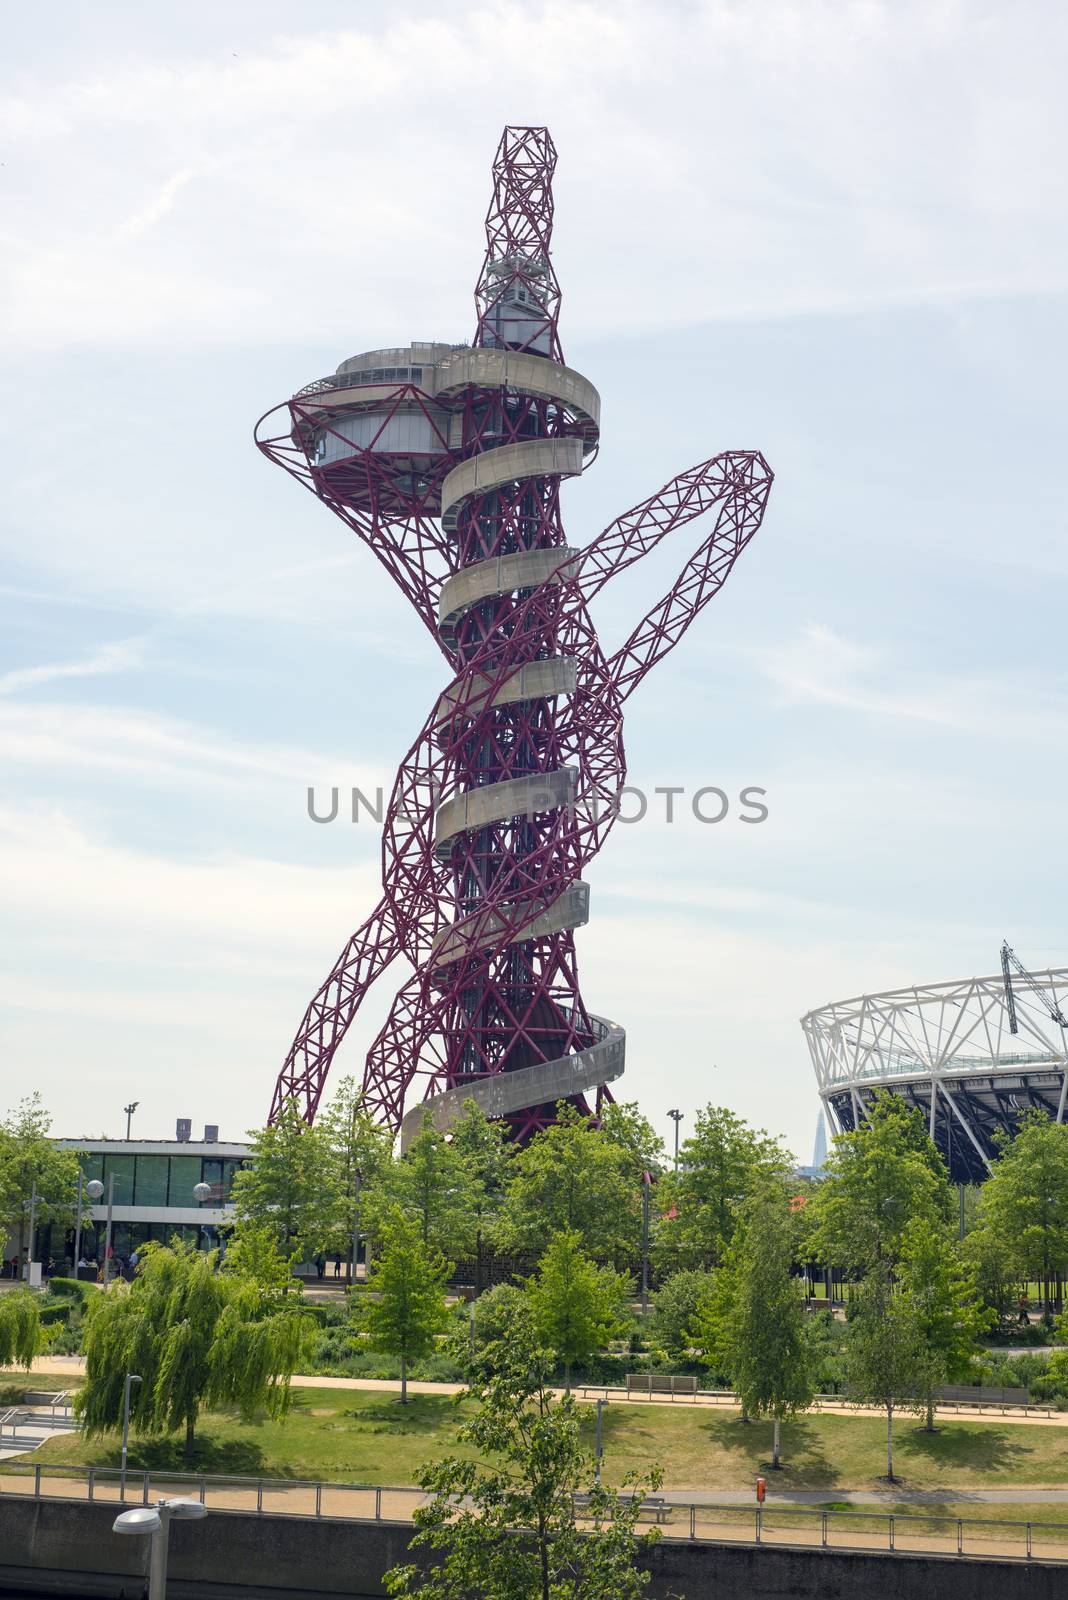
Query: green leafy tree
point(29, 1158)
point(722, 1162)
point(949, 1313)
point(432, 1185)
point(577, 1305)
point(408, 1308)
point(677, 1305)
point(624, 1125)
point(571, 1179)
point(710, 1328)
point(483, 1149)
point(885, 1353)
point(990, 1261)
point(21, 1335)
point(196, 1336)
point(359, 1152)
point(287, 1185)
point(769, 1355)
point(528, 1467)
point(1025, 1200)
point(254, 1253)
point(879, 1178)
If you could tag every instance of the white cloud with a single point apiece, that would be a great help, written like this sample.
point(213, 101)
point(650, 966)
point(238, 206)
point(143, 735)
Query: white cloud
point(765, 149)
point(120, 656)
point(116, 741)
point(824, 667)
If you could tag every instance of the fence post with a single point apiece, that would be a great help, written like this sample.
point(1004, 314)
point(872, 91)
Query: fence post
point(378, 1505)
point(318, 1499)
point(960, 1537)
point(92, 1480)
point(144, 1488)
point(823, 1528)
point(200, 1480)
point(1028, 1541)
point(259, 1494)
point(758, 1517)
point(891, 1531)
point(37, 1481)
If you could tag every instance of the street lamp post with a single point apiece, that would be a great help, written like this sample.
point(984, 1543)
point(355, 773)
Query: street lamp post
point(131, 1378)
point(676, 1117)
point(599, 1447)
point(155, 1521)
point(129, 1110)
point(646, 1179)
point(94, 1189)
point(78, 1223)
point(27, 1267)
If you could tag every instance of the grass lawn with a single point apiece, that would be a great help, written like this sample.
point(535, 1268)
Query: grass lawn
point(14, 1384)
point(364, 1437)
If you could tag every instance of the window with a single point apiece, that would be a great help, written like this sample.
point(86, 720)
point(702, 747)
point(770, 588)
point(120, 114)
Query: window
point(150, 1188)
point(122, 1168)
point(185, 1175)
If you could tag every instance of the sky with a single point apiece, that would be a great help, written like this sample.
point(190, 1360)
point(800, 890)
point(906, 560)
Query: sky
point(834, 232)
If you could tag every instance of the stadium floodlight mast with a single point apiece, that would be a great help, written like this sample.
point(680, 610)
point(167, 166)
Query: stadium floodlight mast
point(447, 461)
point(676, 1117)
point(129, 1110)
point(155, 1523)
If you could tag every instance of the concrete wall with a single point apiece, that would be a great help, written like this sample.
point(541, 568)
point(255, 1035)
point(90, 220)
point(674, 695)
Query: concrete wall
point(67, 1547)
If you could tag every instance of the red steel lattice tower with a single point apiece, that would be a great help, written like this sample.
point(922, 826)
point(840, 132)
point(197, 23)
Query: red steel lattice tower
point(448, 460)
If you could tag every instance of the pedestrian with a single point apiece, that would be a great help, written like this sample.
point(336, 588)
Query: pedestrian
point(320, 1265)
point(337, 1265)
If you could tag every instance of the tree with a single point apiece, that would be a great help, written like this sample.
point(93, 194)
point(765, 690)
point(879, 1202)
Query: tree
point(502, 1526)
point(949, 1315)
point(434, 1187)
point(359, 1152)
point(408, 1310)
point(287, 1185)
point(722, 1162)
point(196, 1336)
point(571, 1179)
point(879, 1178)
point(577, 1305)
point(485, 1153)
point(1025, 1200)
point(884, 1353)
point(709, 1331)
point(677, 1307)
point(990, 1261)
point(20, 1328)
point(622, 1124)
point(254, 1253)
point(29, 1158)
point(769, 1354)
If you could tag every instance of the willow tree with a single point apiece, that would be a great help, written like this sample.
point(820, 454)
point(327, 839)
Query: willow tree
point(20, 1328)
point(197, 1338)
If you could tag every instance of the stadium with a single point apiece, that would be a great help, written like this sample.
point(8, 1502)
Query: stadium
point(974, 1055)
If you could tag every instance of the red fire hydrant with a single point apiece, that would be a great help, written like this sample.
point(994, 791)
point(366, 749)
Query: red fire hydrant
point(762, 1489)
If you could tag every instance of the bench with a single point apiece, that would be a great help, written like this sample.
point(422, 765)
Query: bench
point(983, 1394)
point(652, 1505)
point(670, 1383)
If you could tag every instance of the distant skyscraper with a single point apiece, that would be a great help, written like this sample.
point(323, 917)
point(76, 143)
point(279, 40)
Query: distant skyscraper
point(819, 1149)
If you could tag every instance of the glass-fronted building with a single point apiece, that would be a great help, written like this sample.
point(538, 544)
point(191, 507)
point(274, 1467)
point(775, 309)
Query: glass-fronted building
point(153, 1196)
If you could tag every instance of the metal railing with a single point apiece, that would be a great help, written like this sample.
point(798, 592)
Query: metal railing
point(820, 1402)
point(804, 1527)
